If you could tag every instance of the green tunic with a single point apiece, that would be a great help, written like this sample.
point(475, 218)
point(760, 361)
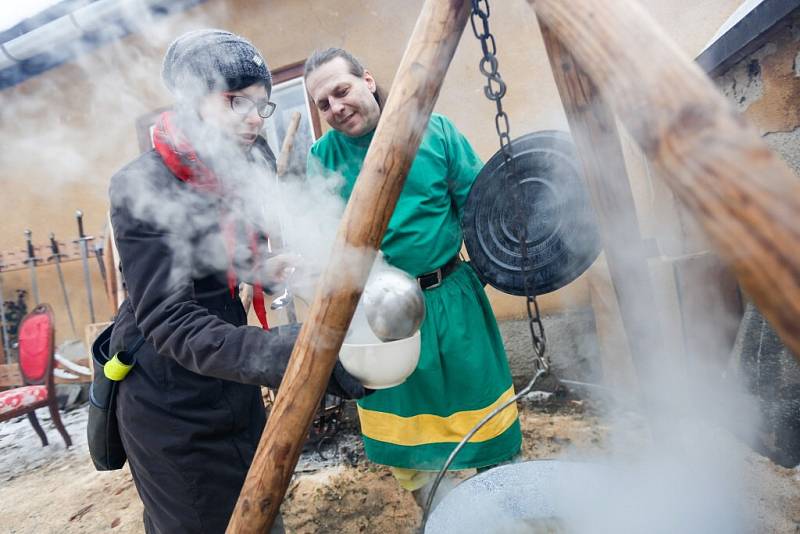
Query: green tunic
point(463, 371)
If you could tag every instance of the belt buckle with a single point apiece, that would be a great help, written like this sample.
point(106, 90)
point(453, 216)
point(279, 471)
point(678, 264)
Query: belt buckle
point(438, 274)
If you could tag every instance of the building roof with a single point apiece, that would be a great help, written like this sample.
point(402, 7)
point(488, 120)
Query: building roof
point(13, 13)
point(61, 32)
point(744, 31)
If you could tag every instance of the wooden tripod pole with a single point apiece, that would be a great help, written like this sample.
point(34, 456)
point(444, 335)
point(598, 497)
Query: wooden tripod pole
point(594, 131)
point(743, 195)
point(393, 148)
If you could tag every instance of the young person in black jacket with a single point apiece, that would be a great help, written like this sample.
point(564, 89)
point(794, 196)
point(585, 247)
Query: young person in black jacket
point(188, 226)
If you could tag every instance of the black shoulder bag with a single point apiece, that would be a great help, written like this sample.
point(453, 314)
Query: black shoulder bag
point(105, 444)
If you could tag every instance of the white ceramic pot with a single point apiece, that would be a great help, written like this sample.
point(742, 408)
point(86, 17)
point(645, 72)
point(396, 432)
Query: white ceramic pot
point(381, 365)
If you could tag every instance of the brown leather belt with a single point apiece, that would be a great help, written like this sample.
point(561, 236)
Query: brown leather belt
point(434, 278)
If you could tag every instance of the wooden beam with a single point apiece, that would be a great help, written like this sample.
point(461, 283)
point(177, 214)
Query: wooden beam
point(393, 148)
point(743, 195)
point(594, 131)
point(11, 377)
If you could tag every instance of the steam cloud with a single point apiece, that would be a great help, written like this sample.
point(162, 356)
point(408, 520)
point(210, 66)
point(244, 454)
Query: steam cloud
point(686, 474)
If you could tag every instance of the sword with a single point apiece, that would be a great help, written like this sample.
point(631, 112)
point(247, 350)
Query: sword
point(31, 262)
point(83, 241)
point(56, 257)
point(6, 341)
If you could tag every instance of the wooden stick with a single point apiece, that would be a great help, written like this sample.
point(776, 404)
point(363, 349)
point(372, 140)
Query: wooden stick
point(115, 286)
point(277, 241)
point(743, 195)
point(393, 148)
point(288, 144)
point(111, 271)
point(594, 131)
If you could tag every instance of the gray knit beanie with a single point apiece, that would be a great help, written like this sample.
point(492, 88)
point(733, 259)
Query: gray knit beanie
point(203, 61)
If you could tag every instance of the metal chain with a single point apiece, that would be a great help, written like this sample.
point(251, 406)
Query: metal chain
point(495, 90)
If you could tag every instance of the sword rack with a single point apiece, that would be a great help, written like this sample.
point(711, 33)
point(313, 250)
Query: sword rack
point(16, 259)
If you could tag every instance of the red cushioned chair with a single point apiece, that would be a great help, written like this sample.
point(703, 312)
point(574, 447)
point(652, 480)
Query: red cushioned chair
point(36, 337)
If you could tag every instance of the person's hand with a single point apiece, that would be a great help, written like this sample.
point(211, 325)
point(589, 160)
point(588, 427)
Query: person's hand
point(343, 384)
point(279, 268)
point(246, 294)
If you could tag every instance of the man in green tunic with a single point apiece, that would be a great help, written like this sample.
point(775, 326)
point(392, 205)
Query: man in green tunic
point(463, 371)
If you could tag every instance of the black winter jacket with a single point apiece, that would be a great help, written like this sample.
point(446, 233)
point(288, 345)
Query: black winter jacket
point(190, 412)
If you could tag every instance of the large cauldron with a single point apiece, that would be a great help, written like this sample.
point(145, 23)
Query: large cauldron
point(516, 498)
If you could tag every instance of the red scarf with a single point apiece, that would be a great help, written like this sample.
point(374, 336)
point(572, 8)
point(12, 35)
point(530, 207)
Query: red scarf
point(181, 159)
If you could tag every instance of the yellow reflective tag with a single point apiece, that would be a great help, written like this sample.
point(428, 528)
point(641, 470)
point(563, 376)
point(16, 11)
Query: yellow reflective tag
point(116, 370)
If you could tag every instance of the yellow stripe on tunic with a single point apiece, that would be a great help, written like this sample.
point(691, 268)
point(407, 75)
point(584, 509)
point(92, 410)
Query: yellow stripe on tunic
point(426, 428)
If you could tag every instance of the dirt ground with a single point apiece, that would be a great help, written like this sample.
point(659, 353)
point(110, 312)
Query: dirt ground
point(56, 490)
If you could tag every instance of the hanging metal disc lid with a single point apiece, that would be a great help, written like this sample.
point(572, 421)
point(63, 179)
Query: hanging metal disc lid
point(547, 186)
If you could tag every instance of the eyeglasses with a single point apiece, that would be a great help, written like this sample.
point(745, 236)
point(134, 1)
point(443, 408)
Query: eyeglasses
point(243, 106)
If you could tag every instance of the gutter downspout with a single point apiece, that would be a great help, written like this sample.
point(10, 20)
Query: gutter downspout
point(99, 16)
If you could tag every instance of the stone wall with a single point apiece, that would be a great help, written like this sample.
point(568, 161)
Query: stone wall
point(765, 87)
